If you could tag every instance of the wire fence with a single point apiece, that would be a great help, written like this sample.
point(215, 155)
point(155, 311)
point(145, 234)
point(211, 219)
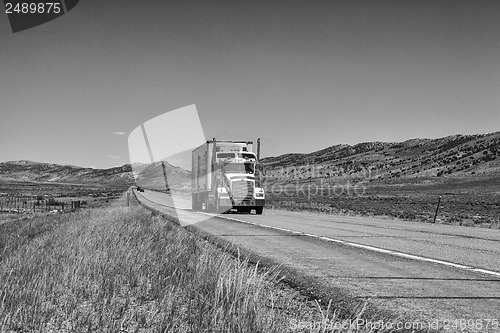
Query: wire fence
point(28, 203)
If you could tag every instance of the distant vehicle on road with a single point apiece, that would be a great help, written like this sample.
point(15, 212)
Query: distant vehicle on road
point(140, 189)
point(226, 175)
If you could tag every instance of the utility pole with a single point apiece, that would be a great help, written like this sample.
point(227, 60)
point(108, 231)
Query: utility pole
point(164, 174)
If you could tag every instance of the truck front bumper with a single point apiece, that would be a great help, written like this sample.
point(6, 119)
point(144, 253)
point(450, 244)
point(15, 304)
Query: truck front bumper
point(247, 203)
point(260, 202)
point(225, 202)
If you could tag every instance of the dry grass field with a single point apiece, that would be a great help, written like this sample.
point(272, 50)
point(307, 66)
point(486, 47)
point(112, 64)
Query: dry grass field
point(124, 269)
point(472, 202)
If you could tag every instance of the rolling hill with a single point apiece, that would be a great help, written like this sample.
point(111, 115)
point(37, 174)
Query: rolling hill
point(148, 175)
point(36, 172)
point(456, 156)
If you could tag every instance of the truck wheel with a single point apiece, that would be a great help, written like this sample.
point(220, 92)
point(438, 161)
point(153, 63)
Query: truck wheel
point(218, 209)
point(258, 210)
point(194, 203)
point(207, 206)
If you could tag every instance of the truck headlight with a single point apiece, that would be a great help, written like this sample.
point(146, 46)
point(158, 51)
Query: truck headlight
point(222, 192)
point(259, 192)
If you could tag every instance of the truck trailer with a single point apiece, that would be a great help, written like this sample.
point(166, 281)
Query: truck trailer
point(227, 175)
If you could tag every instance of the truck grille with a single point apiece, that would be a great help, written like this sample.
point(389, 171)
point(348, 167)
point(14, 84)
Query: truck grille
point(242, 190)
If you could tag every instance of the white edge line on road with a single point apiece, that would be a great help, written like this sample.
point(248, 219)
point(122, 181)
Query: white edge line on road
point(368, 247)
point(357, 245)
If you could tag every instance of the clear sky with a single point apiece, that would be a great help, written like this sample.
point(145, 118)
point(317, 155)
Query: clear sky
point(302, 75)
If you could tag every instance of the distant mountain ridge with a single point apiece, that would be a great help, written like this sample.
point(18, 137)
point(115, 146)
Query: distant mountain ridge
point(149, 175)
point(54, 173)
point(451, 156)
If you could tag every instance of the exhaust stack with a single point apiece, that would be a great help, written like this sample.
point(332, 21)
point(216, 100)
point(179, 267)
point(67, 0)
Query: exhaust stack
point(258, 149)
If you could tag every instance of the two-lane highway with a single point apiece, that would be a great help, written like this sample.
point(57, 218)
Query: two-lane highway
point(422, 270)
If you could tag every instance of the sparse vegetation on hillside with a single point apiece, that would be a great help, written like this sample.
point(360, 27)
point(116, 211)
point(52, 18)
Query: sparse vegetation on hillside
point(457, 155)
point(395, 179)
point(28, 171)
point(399, 179)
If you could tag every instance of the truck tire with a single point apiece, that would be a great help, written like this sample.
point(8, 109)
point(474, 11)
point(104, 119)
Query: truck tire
point(207, 206)
point(258, 210)
point(218, 208)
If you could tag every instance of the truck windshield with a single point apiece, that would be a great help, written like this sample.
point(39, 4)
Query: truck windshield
point(239, 168)
point(247, 155)
point(225, 155)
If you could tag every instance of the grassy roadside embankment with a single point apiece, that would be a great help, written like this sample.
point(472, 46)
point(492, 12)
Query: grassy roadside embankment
point(116, 269)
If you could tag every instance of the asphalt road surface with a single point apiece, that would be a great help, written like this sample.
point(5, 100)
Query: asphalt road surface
point(420, 270)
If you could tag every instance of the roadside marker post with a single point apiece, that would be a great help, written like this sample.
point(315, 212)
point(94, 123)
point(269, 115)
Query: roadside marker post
point(437, 208)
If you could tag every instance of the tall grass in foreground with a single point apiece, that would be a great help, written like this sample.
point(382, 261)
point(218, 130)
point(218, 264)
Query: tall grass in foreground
point(112, 269)
point(125, 270)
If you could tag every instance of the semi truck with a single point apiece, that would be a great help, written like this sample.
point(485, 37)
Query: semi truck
point(226, 175)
